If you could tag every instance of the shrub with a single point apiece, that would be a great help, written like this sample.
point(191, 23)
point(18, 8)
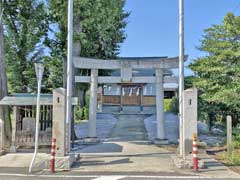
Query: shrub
point(235, 158)
point(236, 137)
point(81, 113)
point(174, 105)
point(167, 105)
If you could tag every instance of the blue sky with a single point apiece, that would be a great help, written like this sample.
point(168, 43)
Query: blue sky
point(152, 28)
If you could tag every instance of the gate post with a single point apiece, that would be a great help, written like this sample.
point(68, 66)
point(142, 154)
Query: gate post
point(190, 119)
point(62, 159)
point(59, 122)
point(1, 136)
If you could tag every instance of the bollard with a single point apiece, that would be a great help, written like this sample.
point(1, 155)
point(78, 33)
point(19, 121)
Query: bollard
point(52, 160)
point(195, 153)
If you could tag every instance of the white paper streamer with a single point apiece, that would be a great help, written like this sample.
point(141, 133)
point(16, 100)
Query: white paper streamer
point(130, 93)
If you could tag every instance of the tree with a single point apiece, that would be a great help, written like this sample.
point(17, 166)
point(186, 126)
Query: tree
point(98, 30)
point(218, 72)
point(4, 111)
point(99, 27)
point(26, 27)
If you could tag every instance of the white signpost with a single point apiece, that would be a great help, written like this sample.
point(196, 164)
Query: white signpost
point(39, 73)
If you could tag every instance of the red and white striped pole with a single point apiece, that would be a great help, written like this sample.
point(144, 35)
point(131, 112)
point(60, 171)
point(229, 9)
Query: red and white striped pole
point(195, 153)
point(52, 160)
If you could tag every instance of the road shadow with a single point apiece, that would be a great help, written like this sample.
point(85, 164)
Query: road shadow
point(85, 163)
point(166, 154)
point(106, 147)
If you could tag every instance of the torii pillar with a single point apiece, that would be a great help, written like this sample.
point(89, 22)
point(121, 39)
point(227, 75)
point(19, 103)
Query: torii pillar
point(92, 134)
point(160, 139)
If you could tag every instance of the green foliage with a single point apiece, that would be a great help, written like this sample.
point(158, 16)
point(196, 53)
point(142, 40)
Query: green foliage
point(87, 99)
point(236, 143)
point(81, 113)
point(102, 24)
point(167, 105)
point(235, 158)
point(25, 27)
point(174, 105)
point(36, 30)
point(217, 73)
point(236, 137)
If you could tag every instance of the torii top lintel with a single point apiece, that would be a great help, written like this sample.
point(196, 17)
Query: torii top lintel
point(134, 63)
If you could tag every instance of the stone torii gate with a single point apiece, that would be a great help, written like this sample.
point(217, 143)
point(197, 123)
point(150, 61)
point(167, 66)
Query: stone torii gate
point(126, 66)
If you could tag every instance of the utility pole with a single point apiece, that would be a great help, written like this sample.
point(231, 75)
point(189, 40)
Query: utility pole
point(69, 75)
point(181, 77)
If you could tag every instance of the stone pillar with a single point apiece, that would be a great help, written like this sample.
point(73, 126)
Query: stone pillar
point(93, 104)
point(229, 136)
point(1, 135)
point(160, 104)
point(14, 121)
point(59, 122)
point(189, 119)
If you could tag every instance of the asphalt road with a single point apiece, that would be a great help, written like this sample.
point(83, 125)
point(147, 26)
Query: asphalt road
point(93, 177)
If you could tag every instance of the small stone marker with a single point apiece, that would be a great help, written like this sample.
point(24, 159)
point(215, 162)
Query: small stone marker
point(229, 136)
point(28, 124)
point(13, 123)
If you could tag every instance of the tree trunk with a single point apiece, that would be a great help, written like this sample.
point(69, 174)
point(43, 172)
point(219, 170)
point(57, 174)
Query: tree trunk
point(4, 111)
point(76, 52)
point(211, 120)
point(81, 97)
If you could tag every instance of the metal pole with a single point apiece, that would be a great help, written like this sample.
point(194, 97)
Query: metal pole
point(69, 74)
point(39, 72)
point(181, 75)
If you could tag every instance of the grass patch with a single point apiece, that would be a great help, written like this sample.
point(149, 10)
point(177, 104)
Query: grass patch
point(233, 160)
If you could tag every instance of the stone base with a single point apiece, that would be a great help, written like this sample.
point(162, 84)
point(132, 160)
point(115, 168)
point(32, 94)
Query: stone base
point(90, 140)
point(13, 149)
point(63, 163)
point(186, 163)
point(2, 152)
point(158, 141)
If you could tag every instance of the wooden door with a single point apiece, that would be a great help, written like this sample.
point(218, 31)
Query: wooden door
point(131, 95)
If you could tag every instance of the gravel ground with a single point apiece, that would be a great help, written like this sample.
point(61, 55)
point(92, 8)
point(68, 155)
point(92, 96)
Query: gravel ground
point(171, 127)
point(172, 130)
point(105, 123)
